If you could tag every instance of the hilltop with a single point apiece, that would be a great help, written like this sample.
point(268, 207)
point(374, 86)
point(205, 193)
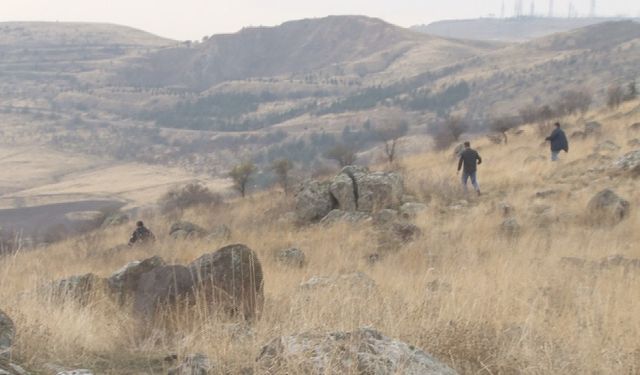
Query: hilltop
point(519, 29)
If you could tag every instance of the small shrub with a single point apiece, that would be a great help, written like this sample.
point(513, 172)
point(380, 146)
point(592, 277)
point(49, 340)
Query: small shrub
point(191, 195)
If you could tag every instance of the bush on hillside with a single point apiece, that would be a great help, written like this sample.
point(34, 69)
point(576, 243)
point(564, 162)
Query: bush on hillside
point(190, 195)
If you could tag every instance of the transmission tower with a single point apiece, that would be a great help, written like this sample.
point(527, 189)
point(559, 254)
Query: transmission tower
point(532, 11)
point(518, 8)
point(502, 14)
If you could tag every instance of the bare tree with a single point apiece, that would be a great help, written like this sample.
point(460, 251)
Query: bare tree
point(281, 168)
point(574, 101)
point(449, 131)
point(389, 136)
point(342, 154)
point(241, 174)
point(502, 125)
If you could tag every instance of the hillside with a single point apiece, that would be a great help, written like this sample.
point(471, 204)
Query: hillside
point(507, 30)
point(521, 280)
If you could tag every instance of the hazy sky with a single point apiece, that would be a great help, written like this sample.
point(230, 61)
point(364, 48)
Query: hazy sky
point(192, 19)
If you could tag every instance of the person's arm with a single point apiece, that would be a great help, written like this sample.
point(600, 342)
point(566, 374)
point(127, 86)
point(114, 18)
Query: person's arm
point(460, 164)
point(554, 135)
point(479, 158)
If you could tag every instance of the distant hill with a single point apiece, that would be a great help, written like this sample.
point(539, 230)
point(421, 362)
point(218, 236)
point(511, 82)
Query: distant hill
point(507, 30)
point(336, 45)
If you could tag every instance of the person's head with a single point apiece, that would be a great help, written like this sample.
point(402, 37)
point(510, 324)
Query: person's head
point(557, 125)
point(467, 144)
point(139, 224)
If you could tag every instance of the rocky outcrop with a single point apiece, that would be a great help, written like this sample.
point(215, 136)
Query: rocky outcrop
point(184, 229)
point(313, 202)
point(79, 289)
point(231, 278)
point(606, 146)
point(365, 351)
point(124, 282)
point(291, 257)
point(354, 189)
point(607, 207)
point(219, 233)
point(630, 163)
point(340, 216)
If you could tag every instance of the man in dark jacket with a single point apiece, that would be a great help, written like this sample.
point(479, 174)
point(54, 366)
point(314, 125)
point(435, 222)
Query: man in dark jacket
point(470, 159)
point(141, 235)
point(558, 142)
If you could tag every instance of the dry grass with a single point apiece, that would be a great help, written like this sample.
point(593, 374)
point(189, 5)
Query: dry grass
point(480, 301)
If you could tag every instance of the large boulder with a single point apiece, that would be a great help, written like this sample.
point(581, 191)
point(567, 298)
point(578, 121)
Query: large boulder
point(607, 207)
point(124, 282)
point(163, 286)
point(232, 278)
point(345, 187)
point(7, 334)
point(380, 190)
point(184, 229)
point(340, 216)
point(219, 233)
point(313, 202)
point(364, 351)
point(630, 162)
point(292, 257)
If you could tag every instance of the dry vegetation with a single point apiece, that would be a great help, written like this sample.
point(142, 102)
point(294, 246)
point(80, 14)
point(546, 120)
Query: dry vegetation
point(482, 302)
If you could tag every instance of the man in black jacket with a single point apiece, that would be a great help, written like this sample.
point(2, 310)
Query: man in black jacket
point(558, 142)
point(141, 235)
point(470, 159)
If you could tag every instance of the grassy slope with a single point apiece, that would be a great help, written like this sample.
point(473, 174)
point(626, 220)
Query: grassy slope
point(511, 308)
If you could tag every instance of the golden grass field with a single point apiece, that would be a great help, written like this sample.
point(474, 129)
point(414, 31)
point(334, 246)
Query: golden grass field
point(504, 305)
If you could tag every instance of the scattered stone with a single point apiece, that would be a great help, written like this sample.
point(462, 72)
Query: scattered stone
point(160, 287)
point(76, 372)
point(356, 280)
point(592, 128)
point(313, 202)
point(546, 193)
point(510, 227)
point(411, 210)
point(115, 220)
point(373, 258)
point(620, 261)
point(339, 216)
point(231, 278)
point(634, 142)
point(635, 127)
point(578, 134)
point(607, 146)
point(630, 162)
point(385, 217)
point(8, 368)
point(436, 286)
point(607, 207)
point(186, 230)
point(291, 257)
point(366, 351)
point(194, 364)
point(459, 205)
point(124, 282)
point(219, 233)
point(7, 334)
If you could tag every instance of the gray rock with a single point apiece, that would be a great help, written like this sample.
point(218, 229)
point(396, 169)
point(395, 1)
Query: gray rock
point(124, 282)
point(339, 216)
point(510, 227)
point(633, 142)
point(313, 202)
point(505, 209)
point(163, 286)
point(364, 351)
point(546, 193)
point(629, 162)
point(343, 190)
point(75, 288)
point(411, 210)
point(578, 134)
point(607, 207)
point(231, 278)
point(291, 257)
point(195, 364)
point(380, 190)
point(76, 372)
point(186, 230)
point(635, 127)
point(7, 334)
point(8, 368)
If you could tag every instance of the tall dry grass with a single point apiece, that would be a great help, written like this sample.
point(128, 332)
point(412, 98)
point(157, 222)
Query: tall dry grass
point(481, 301)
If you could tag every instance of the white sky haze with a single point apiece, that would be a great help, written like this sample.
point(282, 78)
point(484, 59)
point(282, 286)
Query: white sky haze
point(193, 19)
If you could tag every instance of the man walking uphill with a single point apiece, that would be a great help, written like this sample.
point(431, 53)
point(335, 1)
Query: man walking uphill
point(558, 142)
point(470, 158)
